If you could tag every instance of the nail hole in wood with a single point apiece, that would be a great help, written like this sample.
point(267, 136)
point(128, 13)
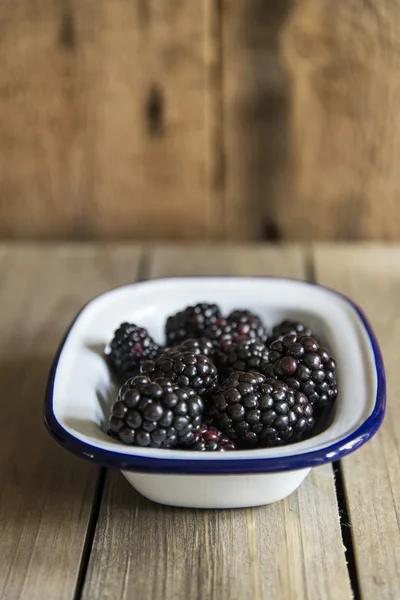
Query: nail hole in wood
point(155, 111)
point(67, 31)
point(271, 232)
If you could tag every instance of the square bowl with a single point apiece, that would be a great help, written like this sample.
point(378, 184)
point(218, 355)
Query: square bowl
point(80, 390)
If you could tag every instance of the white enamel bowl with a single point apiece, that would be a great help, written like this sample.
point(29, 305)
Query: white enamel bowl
point(80, 390)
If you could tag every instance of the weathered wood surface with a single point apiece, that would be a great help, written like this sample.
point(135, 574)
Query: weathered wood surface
point(145, 551)
point(256, 98)
point(107, 120)
point(289, 551)
point(343, 60)
point(46, 495)
point(199, 120)
point(370, 275)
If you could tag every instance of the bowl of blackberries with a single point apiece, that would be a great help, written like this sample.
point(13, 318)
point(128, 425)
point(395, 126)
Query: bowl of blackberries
point(216, 392)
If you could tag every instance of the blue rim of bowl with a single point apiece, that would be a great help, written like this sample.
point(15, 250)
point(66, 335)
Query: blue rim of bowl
point(143, 464)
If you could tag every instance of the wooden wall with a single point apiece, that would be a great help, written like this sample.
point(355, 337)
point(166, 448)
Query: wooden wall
point(206, 119)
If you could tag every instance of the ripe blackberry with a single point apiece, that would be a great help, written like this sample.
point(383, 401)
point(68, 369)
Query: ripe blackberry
point(223, 334)
point(191, 322)
point(289, 328)
point(218, 330)
point(244, 322)
point(248, 356)
point(131, 344)
point(238, 326)
point(155, 413)
point(186, 369)
point(211, 439)
point(305, 366)
point(256, 411)
point(201, 346)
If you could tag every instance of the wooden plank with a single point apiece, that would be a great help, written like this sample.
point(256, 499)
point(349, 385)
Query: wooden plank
point(256, 115)
point(108, 123)
point(369, 274)
point(344, 120)
point(238, 119)
point(46, 495)
point(145, 551)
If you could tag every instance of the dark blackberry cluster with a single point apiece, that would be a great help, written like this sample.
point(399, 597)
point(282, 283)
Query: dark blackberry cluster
point(191, 322)
point(220, 383)
point(156, 413)
point(212, 439)
point(184, 368)
point(130, 345)
point(305, 366)
point(256, 411)
point(289, 328)
point(248, 355)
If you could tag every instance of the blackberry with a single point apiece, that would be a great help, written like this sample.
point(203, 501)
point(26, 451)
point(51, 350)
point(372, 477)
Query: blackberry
point(131, 344)
point(257, 411)
point(155, 413)
point(289, 328)
point(248, 356)
point(185, 368)
point(191, 322)
point(244, 322)
point(305, 366)
point(211, 439)
point(201, 346)
point(223, 334)
point(218, 330)
point(238, 326)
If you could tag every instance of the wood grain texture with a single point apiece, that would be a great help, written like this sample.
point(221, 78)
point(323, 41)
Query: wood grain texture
point(370, 275)
point(343, 59)
point(144, 551)
point(46, 495)
point(108, 124)
point(214, 119)
point(255, 111)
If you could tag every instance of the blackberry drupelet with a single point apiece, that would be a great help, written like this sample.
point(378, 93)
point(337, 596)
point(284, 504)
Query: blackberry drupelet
point(211, 439)
point(244, 322)
point(155, 413)
point(248, 356)
point(197, 346)
point(289, 328)
point(185, 368)
point(258, 411)
point(305, 366)
point(191, 322)
point(131, 344)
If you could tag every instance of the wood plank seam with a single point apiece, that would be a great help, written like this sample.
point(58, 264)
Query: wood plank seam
point(369, 274)
point(345, 527)
point(98, 496)
point(87, 548)
point(47, 495)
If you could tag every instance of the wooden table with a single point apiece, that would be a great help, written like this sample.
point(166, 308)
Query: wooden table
point(69, 530)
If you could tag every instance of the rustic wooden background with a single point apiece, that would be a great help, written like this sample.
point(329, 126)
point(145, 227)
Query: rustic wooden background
point(206, 119)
